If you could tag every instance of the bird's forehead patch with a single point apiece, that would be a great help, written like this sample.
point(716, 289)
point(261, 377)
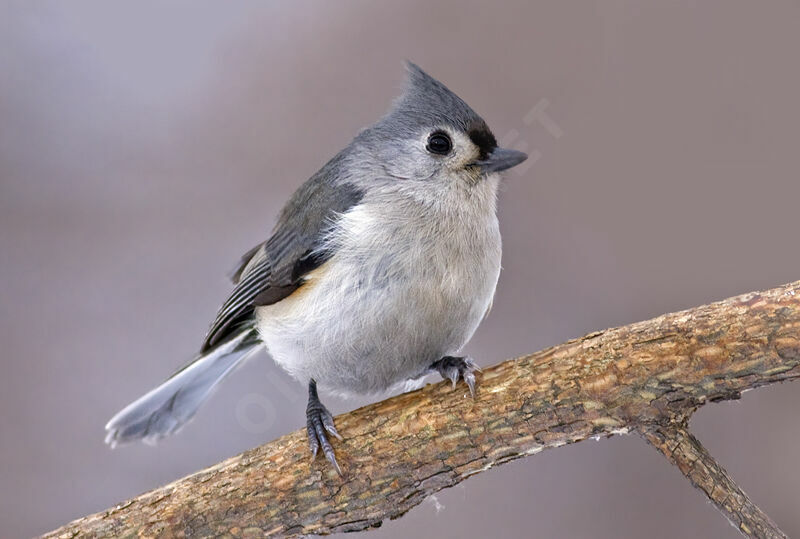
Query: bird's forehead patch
point(483, 139)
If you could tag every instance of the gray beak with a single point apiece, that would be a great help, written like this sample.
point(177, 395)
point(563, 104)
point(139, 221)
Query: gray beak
point(501, 159)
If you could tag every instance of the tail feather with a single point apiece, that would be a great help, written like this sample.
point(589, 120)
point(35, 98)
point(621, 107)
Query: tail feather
point(169, 406)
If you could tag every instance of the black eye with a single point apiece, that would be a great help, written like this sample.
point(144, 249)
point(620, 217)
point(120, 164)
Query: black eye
point(439, 143)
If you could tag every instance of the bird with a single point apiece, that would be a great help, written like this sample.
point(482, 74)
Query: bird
point(379, 270)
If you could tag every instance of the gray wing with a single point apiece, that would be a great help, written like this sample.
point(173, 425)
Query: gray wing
point(272, 270)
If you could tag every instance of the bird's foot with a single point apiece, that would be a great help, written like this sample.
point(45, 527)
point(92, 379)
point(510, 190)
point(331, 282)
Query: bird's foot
point(453, 368)
point(319, 423)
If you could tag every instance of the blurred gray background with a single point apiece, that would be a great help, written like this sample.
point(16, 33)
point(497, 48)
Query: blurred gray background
point(145, 145)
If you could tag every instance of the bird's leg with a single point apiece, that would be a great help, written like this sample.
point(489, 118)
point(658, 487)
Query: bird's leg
point(452, 367)
point(318, 421)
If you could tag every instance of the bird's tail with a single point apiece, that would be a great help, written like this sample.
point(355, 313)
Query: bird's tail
point(168, 407)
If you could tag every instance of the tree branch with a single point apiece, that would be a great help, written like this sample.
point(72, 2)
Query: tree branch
point(648, 376)
point(696, 463)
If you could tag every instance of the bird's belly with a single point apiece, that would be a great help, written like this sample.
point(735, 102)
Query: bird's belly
point(359, 326)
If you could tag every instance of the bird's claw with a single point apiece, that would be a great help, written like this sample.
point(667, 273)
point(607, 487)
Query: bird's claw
point(319, 423)
point(452, 368)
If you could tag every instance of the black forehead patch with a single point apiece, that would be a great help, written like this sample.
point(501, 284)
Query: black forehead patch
point(484, 140)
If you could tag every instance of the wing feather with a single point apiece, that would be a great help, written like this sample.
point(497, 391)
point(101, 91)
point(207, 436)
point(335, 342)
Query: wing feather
point(271, 271)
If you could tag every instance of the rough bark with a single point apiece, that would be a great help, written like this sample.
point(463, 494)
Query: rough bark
point(646, 377)
point(696, 463)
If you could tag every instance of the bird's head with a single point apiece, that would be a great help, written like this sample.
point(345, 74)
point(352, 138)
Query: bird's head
point(431, 134)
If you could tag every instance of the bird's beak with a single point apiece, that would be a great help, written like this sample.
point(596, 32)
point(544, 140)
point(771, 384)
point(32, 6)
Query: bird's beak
point(501, 159)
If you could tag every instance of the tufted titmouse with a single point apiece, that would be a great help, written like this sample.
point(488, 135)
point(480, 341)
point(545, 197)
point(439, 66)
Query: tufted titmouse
point(379, 270)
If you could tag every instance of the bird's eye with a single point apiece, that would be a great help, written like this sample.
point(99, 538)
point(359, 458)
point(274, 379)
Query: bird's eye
point(439, 143)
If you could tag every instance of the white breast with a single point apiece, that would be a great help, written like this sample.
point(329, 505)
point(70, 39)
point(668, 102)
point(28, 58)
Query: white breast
point(407, 285)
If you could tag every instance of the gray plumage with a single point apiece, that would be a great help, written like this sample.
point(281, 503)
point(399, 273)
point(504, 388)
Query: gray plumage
point(380, 268)
point(169, 406)
point(274, 269)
